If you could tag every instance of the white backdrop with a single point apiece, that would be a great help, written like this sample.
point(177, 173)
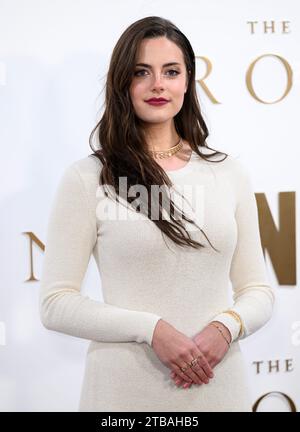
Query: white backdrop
point(53, 60)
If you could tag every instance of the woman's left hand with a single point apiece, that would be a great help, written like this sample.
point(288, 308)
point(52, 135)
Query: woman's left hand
point(213, 345)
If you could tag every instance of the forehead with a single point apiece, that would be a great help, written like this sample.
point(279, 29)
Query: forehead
point(159, 51)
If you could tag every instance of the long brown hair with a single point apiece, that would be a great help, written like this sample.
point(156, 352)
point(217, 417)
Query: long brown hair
point(123, 150)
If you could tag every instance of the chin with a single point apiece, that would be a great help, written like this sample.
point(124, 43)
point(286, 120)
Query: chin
point(157, 120)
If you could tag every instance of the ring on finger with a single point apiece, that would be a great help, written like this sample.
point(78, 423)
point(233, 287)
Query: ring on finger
point(184, 368)
point(194, 362)
point(191, 364)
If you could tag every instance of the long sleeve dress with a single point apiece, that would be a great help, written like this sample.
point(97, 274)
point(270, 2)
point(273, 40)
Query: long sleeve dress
point(146, 277)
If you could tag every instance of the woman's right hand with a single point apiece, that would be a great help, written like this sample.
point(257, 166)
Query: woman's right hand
point(175, 350)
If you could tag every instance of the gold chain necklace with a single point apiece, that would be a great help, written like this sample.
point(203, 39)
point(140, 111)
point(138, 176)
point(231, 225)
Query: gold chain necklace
point(161, 154)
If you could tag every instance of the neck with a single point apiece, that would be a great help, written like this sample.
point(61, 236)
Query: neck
point(160, 138)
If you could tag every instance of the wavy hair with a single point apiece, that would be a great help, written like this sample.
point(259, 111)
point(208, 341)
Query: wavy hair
point(122, 147)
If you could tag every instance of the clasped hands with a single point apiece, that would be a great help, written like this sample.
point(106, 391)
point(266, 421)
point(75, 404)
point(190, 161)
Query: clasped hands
point(176, 350)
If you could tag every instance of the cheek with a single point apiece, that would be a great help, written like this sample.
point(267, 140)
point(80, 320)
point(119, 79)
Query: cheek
point(178, 88)
point(137, 91)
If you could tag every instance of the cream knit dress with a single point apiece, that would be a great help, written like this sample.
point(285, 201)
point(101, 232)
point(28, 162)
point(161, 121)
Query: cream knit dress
point(145, 277)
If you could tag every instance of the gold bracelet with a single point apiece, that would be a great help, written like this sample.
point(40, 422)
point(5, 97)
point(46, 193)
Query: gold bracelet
point(237, 317)
point(221, 331)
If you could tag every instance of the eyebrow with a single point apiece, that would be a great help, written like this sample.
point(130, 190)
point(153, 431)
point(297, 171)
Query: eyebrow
point(165, 65)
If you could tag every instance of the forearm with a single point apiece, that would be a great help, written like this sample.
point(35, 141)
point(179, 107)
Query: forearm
point(80, 316)
point(225, 330)
point(254, 307)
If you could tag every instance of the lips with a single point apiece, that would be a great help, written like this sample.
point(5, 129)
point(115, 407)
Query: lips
point(157, 102)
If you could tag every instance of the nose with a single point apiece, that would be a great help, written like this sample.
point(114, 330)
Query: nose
point(157, 82)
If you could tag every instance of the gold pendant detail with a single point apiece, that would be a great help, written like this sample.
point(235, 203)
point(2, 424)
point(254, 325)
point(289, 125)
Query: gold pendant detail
point(169, 152)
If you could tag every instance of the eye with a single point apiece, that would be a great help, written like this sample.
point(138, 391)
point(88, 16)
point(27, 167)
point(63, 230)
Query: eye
point(138, 73)
point(173, 70)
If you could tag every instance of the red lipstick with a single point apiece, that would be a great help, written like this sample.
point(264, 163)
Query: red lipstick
point(157, 101)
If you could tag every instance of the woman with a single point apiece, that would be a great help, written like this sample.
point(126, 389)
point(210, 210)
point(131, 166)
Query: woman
point(166, 322)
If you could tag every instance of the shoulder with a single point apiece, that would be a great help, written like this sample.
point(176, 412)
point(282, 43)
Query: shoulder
point(232, 172)
point(241, 178)
point(223, 161)
point(232, 165)
point(86, 169)
point(82, 176)
point(240, 172)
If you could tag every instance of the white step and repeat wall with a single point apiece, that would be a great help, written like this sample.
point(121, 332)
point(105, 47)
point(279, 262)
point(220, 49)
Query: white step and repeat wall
point(53, 60)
